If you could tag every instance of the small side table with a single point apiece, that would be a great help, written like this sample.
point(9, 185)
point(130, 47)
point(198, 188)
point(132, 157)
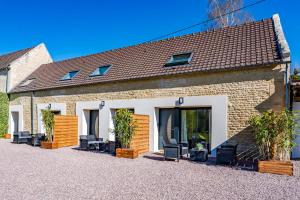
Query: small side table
point(199, 155)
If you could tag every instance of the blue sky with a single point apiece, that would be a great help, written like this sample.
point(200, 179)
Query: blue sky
point(75, 28)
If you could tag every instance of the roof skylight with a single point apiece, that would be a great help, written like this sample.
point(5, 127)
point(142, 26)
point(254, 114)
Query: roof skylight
point(100, 71)
point(179, 59)
point(27, 82)
point(70, 75)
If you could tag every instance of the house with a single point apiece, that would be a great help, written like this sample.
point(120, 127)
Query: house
point(16, 66)
point(201, 86)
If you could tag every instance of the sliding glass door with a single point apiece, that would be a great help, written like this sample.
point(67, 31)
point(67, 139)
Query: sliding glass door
point(195, 126)
point(188, 125)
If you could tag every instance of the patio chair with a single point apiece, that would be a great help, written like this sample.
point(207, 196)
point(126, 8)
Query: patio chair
point(22, 137)
point(88, 141)
point(227, 154)
point(184, 147)
point(171, 151)
point(37, 139)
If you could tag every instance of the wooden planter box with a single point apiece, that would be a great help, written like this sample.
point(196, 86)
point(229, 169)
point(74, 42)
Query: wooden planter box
point(126, 153)
point(49, 145)
point(276, 167)
point(7, 136)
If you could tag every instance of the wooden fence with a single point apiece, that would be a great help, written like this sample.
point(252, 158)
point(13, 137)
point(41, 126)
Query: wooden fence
point(140, 140)
point(65, 130)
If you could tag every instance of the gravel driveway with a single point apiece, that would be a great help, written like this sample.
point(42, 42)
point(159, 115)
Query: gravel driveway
point(35, 173)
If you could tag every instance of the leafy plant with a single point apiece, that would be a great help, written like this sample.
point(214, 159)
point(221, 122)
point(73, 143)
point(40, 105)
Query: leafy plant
point(3, 114)
point(124, 127)
point(199, 146)
point(48, 120)
point(275, 133)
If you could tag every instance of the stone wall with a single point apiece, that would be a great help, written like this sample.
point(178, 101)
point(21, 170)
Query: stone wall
point(248, 91)
point(3, 75)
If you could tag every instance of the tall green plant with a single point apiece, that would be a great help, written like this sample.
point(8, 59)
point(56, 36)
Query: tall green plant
point(124, 127)
point(48, 120)
point(4, 102)
point(275, 133)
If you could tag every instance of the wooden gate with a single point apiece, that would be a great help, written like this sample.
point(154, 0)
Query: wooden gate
point(140, 140)
point(65, 130)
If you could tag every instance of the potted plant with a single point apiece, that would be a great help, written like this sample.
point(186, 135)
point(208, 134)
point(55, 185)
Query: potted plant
point(48, 120)
point(275, 134)
point(199, 153)
point(124, 129)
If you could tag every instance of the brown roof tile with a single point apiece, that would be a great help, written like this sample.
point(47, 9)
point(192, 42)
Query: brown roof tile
point(246, 45)
point(6, 59)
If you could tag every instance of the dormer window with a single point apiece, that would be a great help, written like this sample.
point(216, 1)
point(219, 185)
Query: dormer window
point(27, 82)
point(100, 71)
point(179, 59)
point(70, 75)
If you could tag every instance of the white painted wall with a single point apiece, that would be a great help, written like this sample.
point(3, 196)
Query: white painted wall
point(55, 107)
point(22, 67)
point(296, 150)
point(150, 107)
point(3, 77)
point(18, 109)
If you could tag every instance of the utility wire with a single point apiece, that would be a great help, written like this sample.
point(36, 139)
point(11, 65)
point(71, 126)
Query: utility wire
point(206, 21)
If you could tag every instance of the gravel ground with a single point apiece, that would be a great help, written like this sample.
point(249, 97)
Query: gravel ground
point(35, 173)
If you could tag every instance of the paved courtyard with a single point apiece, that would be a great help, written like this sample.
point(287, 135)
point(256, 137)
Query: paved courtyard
point(35, 173)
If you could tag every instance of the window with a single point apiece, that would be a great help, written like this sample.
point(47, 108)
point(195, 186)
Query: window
point(100, 71)
point(27, 82)
point(69, 75)
point(179, 59)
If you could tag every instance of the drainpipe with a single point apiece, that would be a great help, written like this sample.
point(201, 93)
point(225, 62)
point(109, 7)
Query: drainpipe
point(286, 87)
point(31, 108)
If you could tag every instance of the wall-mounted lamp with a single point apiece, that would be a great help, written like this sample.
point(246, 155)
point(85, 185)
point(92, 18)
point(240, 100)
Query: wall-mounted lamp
point(102, 104)
point(49, 106)
point(180, 100)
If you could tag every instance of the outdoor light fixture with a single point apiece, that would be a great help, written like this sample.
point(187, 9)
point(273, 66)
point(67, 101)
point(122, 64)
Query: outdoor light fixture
point(180, 100)
point(102, 104)
point(49, 106)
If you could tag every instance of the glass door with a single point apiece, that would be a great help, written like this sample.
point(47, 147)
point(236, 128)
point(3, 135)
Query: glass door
point(94, 123)
point(195, 126)
point(188, 125)
point(168, 126)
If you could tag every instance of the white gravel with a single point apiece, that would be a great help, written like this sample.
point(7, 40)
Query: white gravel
point(34, 173)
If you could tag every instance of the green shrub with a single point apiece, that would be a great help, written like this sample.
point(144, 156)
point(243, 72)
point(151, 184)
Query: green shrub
point(275, 133)
point(48, 120)
point(4, 102)
point(124, 127)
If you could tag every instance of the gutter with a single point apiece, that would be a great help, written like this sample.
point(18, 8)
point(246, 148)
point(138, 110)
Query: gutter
point(285, 55)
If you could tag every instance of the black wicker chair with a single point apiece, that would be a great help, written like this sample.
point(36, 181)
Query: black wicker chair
point(88, 142)
point(22, 137)
point(171, 151)
point(227, 154)
point(184, 147)
point(37, 139)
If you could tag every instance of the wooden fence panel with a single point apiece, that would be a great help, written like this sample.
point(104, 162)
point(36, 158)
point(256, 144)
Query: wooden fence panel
point(65, 130)
point(140, 140)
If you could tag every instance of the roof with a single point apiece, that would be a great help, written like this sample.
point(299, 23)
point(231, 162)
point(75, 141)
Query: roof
point(237, 47)
point(6, 59)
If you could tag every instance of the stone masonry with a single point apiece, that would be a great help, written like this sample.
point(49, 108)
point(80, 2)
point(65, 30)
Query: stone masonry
point(249, 91)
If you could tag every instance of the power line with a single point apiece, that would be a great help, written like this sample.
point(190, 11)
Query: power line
point(206, 21)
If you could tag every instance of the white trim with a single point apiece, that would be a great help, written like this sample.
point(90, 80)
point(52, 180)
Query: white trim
point(19, 109)
point(54, 106)
point(150, 107)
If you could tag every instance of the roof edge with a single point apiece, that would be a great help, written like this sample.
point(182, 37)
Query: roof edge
point(283, 45)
